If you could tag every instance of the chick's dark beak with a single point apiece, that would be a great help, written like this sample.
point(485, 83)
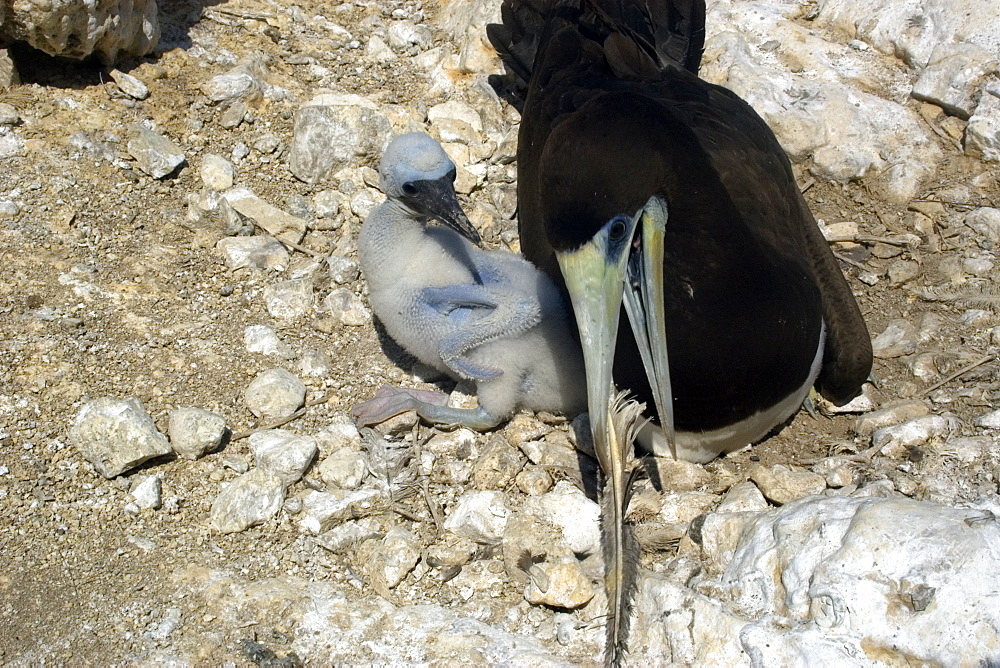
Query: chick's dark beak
point(436, 199)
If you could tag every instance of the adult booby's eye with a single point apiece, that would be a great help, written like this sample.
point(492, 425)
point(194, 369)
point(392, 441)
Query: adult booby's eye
point(409, 188)
point(619, 226)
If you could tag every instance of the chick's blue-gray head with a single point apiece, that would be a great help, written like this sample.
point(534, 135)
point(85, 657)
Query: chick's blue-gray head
point(416, 172)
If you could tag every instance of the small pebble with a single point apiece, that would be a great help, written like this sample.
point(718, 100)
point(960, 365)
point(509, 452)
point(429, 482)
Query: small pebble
point(782, 484)
point(327, 203)
point(321, 511)
point(146, 491)
point(130, 85)
point(345, 469)
point(8, 114)
point(240, 151)
point(742, 497)
point(216, 172)
point(990, 420)
point(154, 153)
point(343, 270)
point(264, 340)
point(534, 481)
point(838, 472)
point(479, 516)
point(194, 432)
point(268, 217)
point(316, 363)
point(116, 435)
point(340, 434)
point(571, 513)
point(249, 500)
point(282, 453)
point(347, 308)
point(274, 394)
point(562, 584)
point(497, 465)
point(680, 476)
point(231, 117)
point(238, 463)
point(390, 560)
point(289, 299)
point(344, 537)
point(262, 252)
point(897, 339)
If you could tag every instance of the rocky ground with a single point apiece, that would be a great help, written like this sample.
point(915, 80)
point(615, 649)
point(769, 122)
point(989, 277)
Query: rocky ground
point(121, 281)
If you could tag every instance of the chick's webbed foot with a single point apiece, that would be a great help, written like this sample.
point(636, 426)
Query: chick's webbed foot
point(429, 405)
point(479, 314)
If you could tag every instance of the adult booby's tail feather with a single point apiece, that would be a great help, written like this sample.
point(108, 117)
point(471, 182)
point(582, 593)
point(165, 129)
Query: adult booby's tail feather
point(621, 550)
point(641, 37)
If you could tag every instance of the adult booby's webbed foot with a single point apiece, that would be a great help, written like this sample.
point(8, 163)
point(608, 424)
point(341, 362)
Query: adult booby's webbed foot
point(479, 314)
point(430, 406)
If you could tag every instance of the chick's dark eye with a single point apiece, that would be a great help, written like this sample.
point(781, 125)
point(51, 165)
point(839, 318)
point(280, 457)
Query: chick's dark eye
point(618, 229)
point(409, 188)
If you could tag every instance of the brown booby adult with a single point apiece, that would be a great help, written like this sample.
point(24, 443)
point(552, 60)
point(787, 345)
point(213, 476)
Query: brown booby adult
point(635, 175)
point(616, 126)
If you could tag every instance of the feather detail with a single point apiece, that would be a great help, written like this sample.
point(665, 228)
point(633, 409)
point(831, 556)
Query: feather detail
point(620, 547)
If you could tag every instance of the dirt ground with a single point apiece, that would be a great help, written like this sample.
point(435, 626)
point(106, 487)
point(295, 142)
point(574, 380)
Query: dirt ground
point(106, 292)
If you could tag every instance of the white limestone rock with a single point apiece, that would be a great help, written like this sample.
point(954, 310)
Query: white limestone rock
point(112, 29)
point(742, 497)
point(465, 22)
point(347, 308)
point(985, 220)
point(892, 413)
point(897, 339)
point(479, 516)
point(264, 340)
point(116, 435)
point(333, 131)
point(268, 217)
point(819, 98)
point(823, 580)
point(321, 511)
point(289, 299)
point(912, 30)
point(154, 153)
point(345, 468)
point(783, 484)
point(216, 172)
point(952, 78)
point(568, 510)
point(274, 394)
point(284, 454)
point(194, 432)
point(895, 441)
point(130, 85)
point(340, 434)
point(982, 134)
point(389, 560)
point(251, 499)
point(561, 584)
point(146, 492)
point(261, 252)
